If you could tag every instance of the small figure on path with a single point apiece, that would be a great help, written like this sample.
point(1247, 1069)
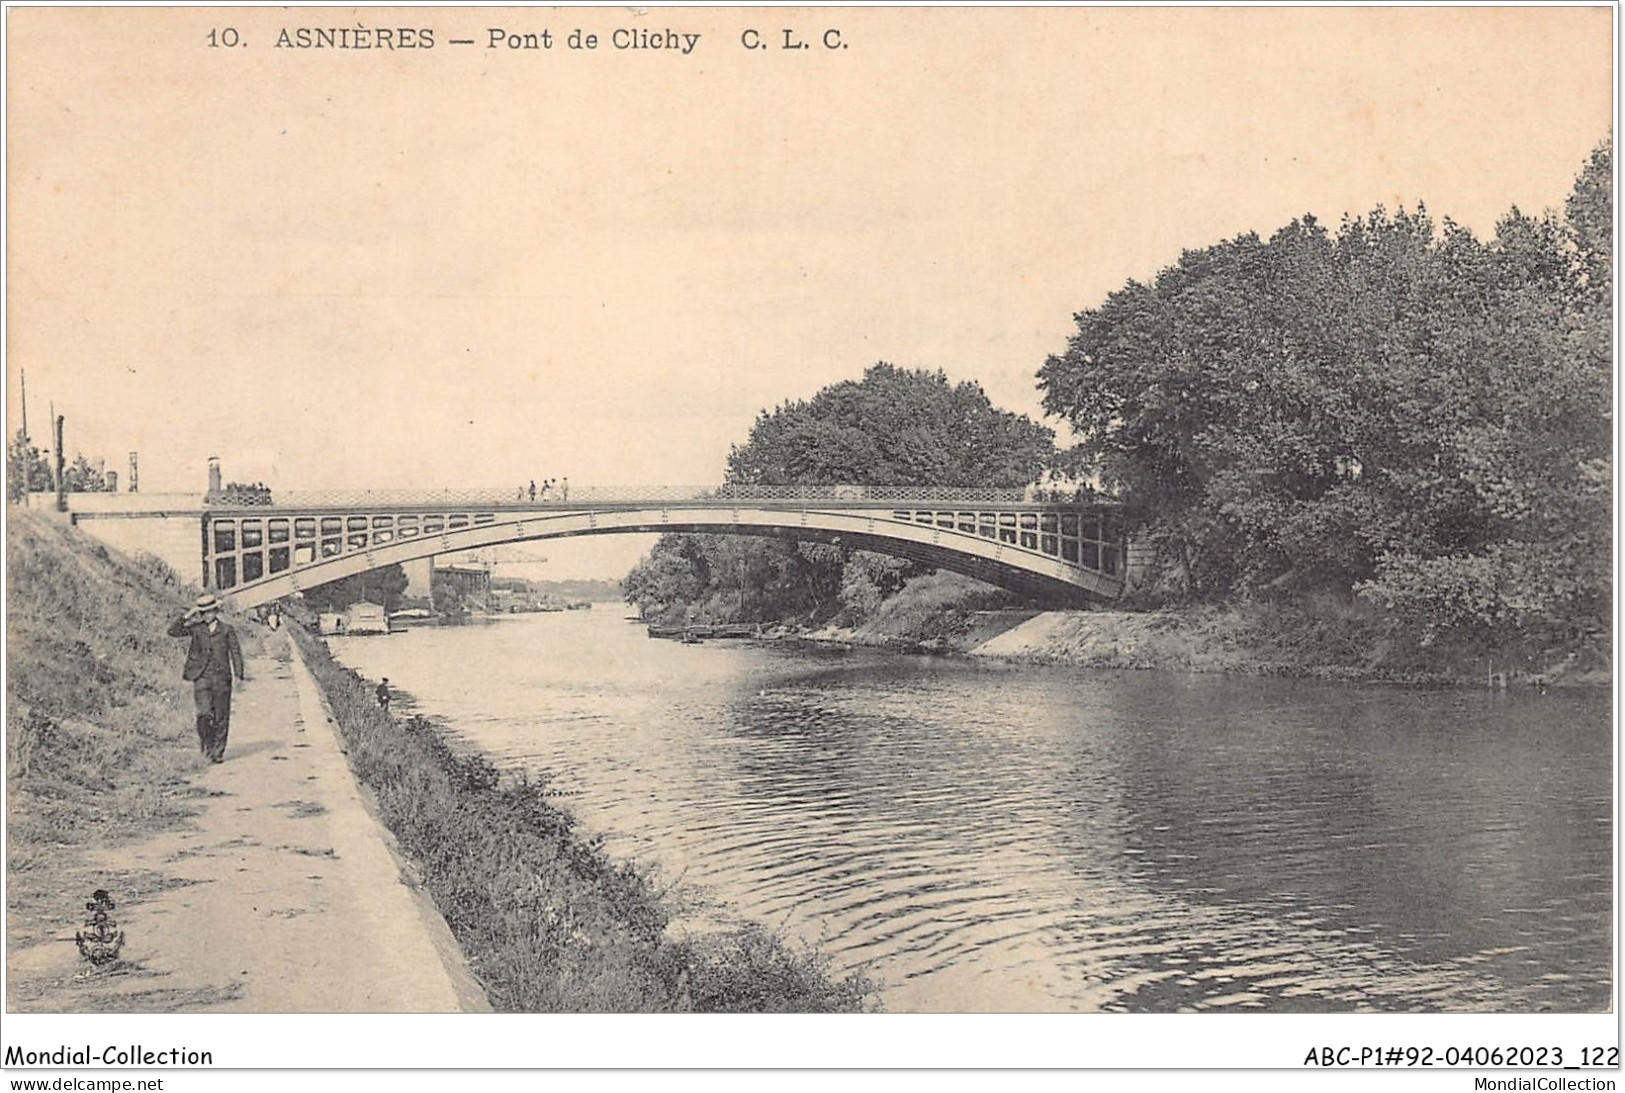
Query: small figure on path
point(383, 694)
point(533, 489)
point(566, 490)
point(214, 656)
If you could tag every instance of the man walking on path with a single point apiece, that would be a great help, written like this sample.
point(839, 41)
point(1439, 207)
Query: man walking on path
point(214, 656)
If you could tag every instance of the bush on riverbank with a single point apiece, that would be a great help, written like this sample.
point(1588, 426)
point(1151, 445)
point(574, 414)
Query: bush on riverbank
point(1319, 638)
point(548, 922)
point(1329, 638)
point(937, 611)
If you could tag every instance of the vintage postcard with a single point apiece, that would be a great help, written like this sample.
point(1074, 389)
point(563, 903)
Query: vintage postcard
point(1066, 522)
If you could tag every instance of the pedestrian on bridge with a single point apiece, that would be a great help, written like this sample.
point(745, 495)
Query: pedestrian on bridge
point(214, 656)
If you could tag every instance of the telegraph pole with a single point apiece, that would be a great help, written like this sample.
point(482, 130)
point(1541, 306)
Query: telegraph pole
point(50, 432)
point(61, 479)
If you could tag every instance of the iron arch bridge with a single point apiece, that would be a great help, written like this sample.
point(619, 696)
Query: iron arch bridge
point(1071, 549)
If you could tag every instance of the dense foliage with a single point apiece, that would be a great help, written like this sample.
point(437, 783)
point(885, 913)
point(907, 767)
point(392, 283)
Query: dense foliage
point(29, 471)
point(383, 586)
point(893, 427)
point(1396, 410)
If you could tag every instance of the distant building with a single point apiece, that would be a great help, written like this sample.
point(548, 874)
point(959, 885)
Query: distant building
point(366, 618)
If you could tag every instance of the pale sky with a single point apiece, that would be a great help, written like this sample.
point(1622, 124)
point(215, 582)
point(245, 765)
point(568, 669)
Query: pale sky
point(466, 266)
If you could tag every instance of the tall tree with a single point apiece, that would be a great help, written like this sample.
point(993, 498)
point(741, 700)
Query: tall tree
point(82, 476)
point(1233, 401)
point(892, 427)
point(27, 470)
point(1537, 453)
point(1396, 407)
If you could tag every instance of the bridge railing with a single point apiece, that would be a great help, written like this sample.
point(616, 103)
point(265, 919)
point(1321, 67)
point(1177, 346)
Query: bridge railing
point(501, 497)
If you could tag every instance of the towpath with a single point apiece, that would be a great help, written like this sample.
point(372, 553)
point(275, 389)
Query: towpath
point(282, 895)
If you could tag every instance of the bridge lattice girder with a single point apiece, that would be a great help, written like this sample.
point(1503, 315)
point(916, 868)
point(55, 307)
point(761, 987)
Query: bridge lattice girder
point(1071, 552)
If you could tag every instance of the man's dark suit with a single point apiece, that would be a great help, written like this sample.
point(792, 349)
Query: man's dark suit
point(211, 660)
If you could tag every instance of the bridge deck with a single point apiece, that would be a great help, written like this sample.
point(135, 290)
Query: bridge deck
point(258, 548)
point(623, 497)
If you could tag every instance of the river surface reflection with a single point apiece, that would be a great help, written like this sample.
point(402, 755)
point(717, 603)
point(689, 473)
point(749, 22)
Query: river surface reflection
point(986, 837)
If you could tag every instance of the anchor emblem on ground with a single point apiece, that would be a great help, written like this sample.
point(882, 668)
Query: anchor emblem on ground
point(101, 941)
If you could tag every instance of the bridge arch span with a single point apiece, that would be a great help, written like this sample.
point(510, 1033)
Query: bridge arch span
point(947, 540)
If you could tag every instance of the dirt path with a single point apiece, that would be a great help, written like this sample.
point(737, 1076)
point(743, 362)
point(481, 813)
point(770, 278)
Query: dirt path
point(282, 895)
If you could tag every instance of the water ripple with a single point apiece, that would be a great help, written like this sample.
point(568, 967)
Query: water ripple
point(1034, 839)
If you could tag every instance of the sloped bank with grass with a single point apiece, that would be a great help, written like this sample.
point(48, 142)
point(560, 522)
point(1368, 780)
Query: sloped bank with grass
point(547, 921)
point(100, 753)
point(99, 739)
point(1316, 637)
point(939, 612)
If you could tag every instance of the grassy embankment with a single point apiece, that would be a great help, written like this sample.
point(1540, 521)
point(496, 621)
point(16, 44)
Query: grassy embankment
point(1319, 638)
point(100, 751)
point(936, 612)
point(547, 921)
point(100, 739)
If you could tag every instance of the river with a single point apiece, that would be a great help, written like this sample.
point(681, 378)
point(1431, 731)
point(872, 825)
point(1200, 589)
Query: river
point(986, 837)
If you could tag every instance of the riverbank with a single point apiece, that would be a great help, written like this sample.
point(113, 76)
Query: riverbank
point(930, 818)
point(96, 749)
point(945, 613)
point(265, 883)
point(259, 885)
point(548, 922)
